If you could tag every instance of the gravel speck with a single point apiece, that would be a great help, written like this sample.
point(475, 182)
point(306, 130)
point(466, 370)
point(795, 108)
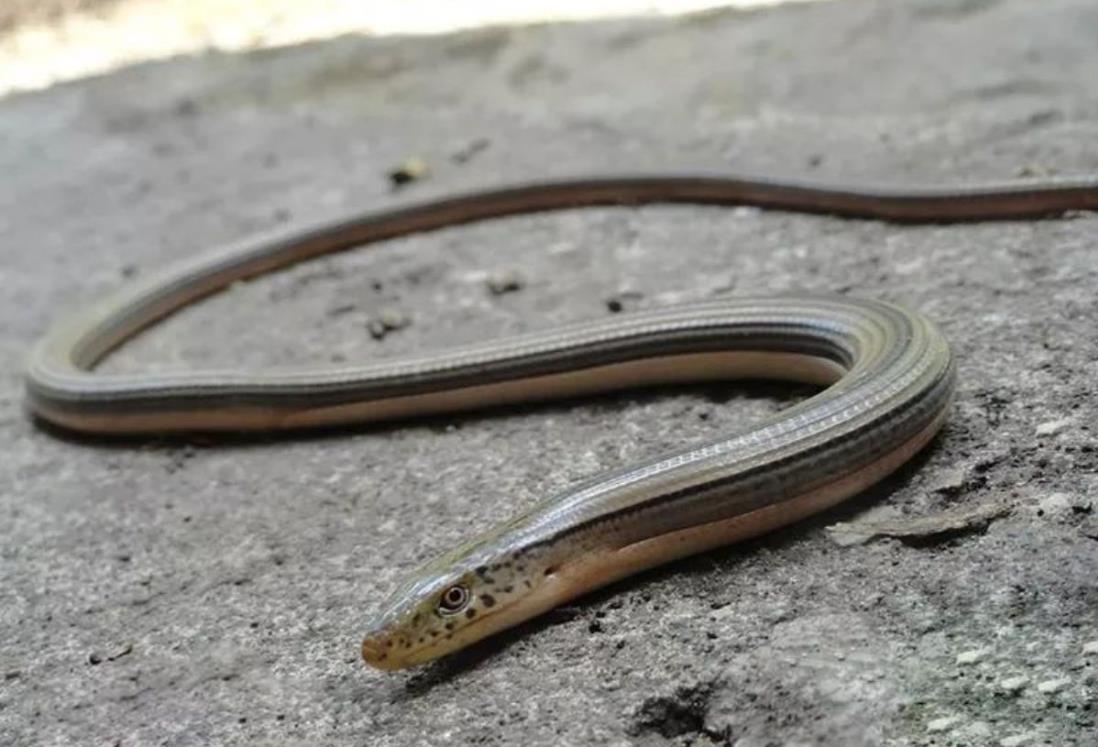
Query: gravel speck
point(1052, 427)
point(942, 724)
point(505, 281)
point(972, 656)
point(1053, 686)
point(1014, 685)
point(388, 321)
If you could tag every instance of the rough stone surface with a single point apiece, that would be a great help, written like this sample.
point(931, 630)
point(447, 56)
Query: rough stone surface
point(212, 592)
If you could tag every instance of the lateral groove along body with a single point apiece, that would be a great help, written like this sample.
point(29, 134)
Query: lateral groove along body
point(889, 371)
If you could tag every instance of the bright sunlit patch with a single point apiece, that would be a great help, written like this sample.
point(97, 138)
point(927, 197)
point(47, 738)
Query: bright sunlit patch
point(80, 44)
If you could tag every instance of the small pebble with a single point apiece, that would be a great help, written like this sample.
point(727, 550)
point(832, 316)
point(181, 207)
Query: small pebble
point(942, 724)
point(507, 281)
point(1090, 648)
point(1056, 505)
point(1052, 427)
point(385, 322)
point(409, 171)
point(950, 481)
point(1016, 741)
point(1051, 686)
point(971, 657)
point(1014, 684)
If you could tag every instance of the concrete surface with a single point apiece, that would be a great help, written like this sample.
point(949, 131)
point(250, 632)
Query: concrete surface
point(212, 592)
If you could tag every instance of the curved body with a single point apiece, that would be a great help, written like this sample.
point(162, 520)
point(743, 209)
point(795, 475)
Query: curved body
point(889, 371)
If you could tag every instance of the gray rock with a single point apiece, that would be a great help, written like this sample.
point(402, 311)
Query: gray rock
point(1052, 427)
point(1014, 685)
point(972, 656)
point(238, 576)
point(942, 724)
point(1048, 687)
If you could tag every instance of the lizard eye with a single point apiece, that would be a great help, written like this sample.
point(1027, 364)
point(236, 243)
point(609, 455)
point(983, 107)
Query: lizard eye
point(453, 600)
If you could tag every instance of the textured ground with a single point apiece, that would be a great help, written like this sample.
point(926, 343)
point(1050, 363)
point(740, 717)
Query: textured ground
point(215, 592)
